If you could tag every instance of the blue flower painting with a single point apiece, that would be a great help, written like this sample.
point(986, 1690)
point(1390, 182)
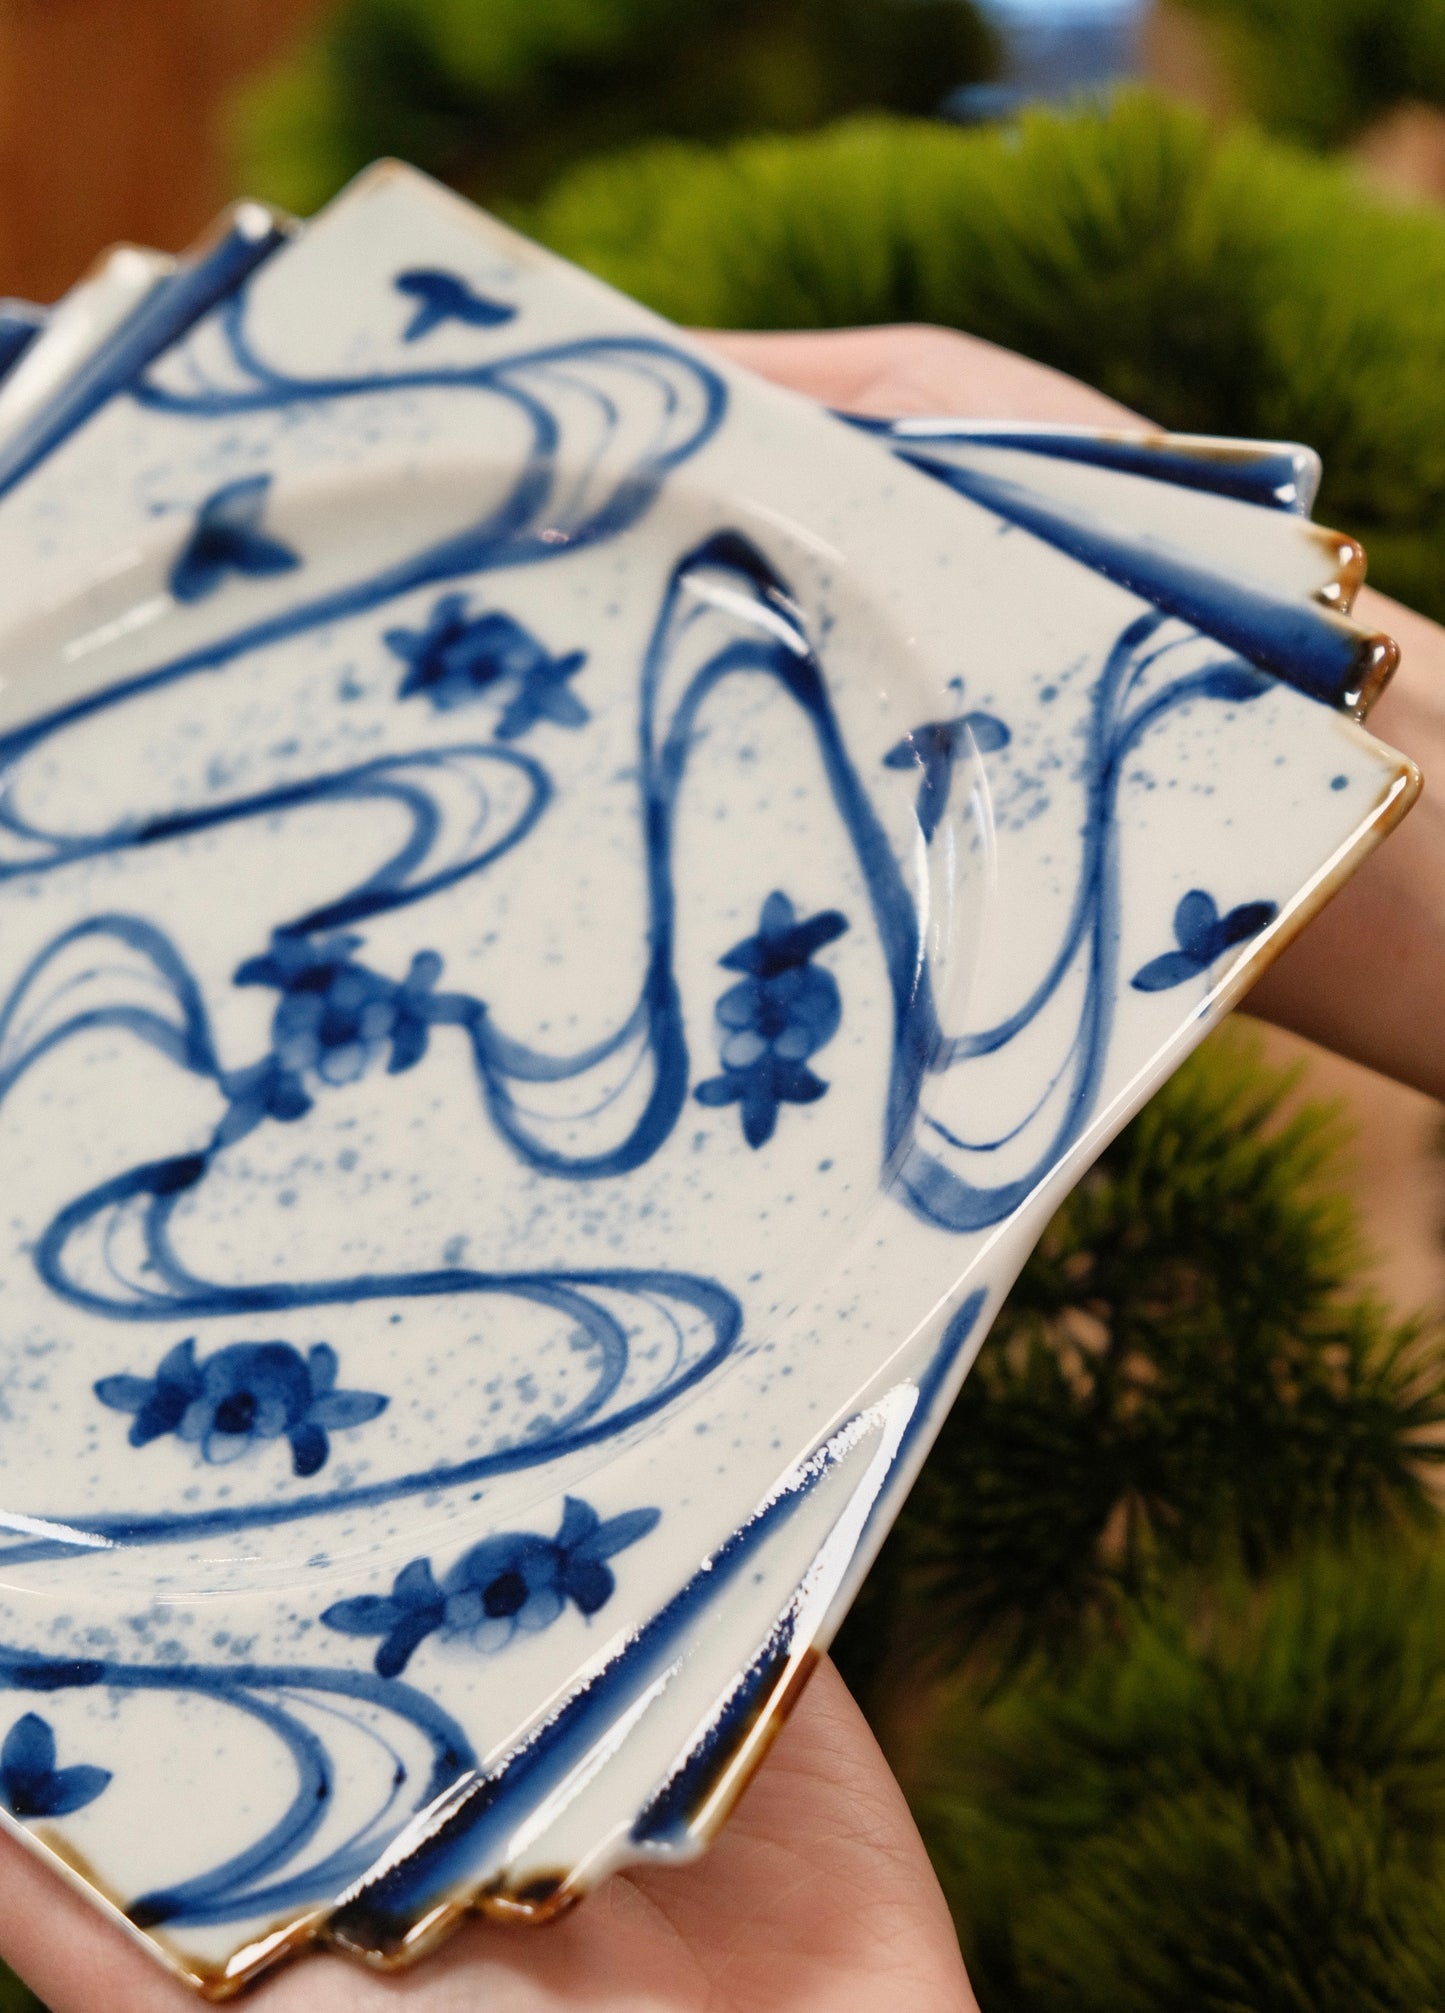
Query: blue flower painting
point(1202, 935)
point(336, 1018)
point(227, 538)
point(458, 657)
point(513, 1583)
point(784, 1010)
point(246, 1393)
point(31, 1784)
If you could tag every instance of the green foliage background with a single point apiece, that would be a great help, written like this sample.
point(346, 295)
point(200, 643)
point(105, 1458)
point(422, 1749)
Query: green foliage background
point(1214, 282)
point(499, 97)
point(1158, 1644)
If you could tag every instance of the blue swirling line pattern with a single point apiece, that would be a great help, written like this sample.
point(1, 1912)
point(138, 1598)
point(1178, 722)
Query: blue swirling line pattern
point(893, 907)
point(462, 1810)
point(252, 1882)
point(781, 649)
point(691, 401)
point(763, 632)
point(534, 524)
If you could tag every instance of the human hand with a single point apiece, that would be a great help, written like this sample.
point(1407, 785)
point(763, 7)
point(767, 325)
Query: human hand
point(817, 1898)
point(1367, 978)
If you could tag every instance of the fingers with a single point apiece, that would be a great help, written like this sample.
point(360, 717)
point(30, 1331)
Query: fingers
point(817, 1895)
point(892, 373)
point(66, 1951)
point(823, 1867)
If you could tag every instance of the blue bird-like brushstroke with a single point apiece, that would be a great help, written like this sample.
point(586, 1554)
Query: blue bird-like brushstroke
point(442, 297)
point(726, 612)
point(227, 538)
point(935, 748)
point(31, 1784)
point(1202, 935)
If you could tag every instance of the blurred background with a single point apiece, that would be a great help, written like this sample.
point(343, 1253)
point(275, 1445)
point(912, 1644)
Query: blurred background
point(1158, 1648)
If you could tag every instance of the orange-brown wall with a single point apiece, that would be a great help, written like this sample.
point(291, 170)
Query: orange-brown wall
point(111, 123)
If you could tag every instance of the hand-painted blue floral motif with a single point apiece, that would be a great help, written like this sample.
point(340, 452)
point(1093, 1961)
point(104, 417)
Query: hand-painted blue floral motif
point(246, 1392)
point(227, 538)
point(31, 1784)
point(334, 1020)
point(459, 656)
point(775, 1018)
point(935, 748)
point(1203, 935)
point(513, 1582)
point(442, 297)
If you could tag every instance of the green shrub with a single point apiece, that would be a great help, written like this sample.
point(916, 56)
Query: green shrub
point(1319, 70)
point(498, 97)
point(1221, 283)
point(1235, 1804)
point(1183, 1372)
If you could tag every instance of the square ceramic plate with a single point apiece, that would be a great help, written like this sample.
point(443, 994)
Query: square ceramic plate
point(565, 920)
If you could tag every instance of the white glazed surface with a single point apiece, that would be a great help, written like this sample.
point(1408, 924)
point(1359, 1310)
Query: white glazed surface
point(902, 734)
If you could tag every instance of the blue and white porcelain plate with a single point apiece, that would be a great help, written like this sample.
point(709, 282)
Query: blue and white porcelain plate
point(565, 920)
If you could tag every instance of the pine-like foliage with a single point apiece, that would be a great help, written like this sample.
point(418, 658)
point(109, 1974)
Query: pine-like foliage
point(1321, 69)
point(498, 97)
point(1223, 283)
point(1233, 1804)
point(15, 1997)
point(1184, 1371)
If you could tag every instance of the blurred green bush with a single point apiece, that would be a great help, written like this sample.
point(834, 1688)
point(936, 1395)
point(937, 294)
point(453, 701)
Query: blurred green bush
point(498, 98)
point(1185, 1372)
point(1220, 282)
point(1234, 1802)
point(1319, 70)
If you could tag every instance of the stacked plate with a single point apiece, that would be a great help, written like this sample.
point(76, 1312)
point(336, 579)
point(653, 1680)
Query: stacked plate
point(567, 919)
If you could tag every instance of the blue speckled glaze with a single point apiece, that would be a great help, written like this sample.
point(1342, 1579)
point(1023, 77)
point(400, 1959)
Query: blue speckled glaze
point(31, 1784)
point(567, 918)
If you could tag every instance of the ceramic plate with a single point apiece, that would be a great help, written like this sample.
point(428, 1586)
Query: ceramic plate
point(567, 919)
